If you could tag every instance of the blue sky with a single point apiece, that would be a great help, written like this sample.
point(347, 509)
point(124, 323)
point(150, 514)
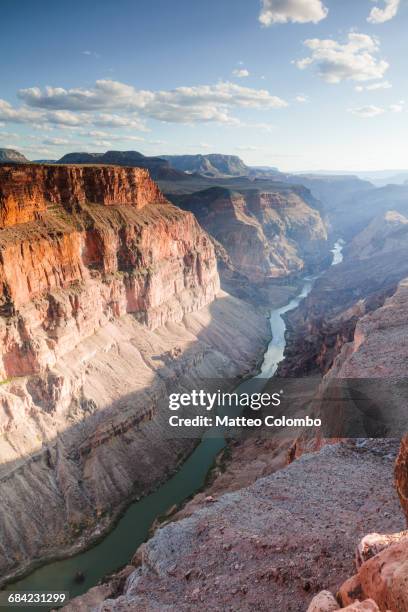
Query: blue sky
point(298, 84)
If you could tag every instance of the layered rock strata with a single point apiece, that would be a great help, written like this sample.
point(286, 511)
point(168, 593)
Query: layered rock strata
point(266, 234)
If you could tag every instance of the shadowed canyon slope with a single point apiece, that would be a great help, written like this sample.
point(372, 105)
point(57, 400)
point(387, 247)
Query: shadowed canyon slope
point(110, 299)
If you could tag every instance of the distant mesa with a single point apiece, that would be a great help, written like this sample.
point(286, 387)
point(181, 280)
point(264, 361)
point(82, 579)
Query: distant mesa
point(159, 167)
point(45, 161)
point(10, 156)
point(214, 165)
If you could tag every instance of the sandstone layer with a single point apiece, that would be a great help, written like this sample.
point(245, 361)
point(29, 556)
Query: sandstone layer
point(110, 299)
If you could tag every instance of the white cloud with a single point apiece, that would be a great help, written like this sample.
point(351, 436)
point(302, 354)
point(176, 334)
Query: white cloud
point(101, 143)
point(247, 148)
point(96, 134)
point(105, 94)
point(112, 137)
point(64, 117)
point(118, 121)
point(367, 111)
point(374, 86)
point(41, 119)
point(378, 15)
point(56, 141)
point(91, 53)
point(397, 108)
point(240, 73)
point(10, 114)
point(158, 143)
point(4, 135)
point(265, 127)
point(44, 127)
point(131, 138)
point(297, 11)
point(354, 60)
point(201, 103)
point(302, 99)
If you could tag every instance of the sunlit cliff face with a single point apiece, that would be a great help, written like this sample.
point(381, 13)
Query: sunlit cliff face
point(87, 244)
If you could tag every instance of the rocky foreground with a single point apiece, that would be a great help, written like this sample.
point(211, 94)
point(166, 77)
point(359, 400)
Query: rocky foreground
point(269, 546)
point(110, 299)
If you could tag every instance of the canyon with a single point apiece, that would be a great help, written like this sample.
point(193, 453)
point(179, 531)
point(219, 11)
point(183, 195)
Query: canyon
point(110, 297)
point(270, 545)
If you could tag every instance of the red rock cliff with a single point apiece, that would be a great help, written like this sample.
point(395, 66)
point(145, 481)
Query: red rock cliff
point(84, 244)
point(27, 189)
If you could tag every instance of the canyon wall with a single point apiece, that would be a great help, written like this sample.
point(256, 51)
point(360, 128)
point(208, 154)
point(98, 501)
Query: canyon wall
point(268, 235)
point(378, 352)
point(324, 504)
point(370, 372)
point(110, 299)
point(374, 263)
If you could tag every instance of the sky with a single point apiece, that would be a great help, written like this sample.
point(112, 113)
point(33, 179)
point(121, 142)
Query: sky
point(295, 84)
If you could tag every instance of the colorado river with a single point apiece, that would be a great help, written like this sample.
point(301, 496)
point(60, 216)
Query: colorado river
point(117, 547)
